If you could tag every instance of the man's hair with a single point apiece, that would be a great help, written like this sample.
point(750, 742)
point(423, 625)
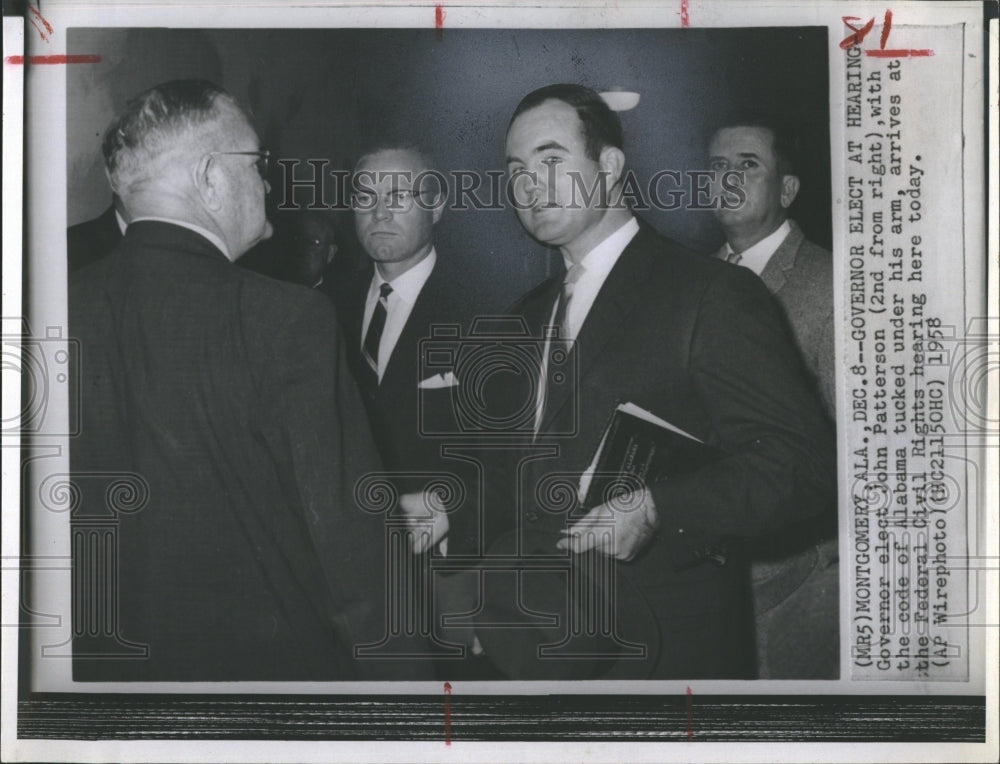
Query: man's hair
point(784, 143)
point(424, 159)
point(601, 126)
point(153, 122)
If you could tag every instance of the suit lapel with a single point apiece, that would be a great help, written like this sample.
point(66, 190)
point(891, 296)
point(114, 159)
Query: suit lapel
point(350, 302)
point(417, 327)
point(775, 273)
point(619, 296)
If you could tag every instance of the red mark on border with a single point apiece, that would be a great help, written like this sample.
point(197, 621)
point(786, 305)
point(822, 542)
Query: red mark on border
point(438, 21)
point(447, 713)
point(61, 59)
point(886, 28)
point(858, 35)
point(685, 17)
point(899, 53)
point(43, 33)
point(690, 715)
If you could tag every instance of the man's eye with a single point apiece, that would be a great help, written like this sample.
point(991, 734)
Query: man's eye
point(718, 165)
point(749, 164)
point(552, 160)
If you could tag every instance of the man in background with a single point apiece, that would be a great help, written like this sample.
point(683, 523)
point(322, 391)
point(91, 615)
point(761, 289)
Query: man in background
point(226, 393)
point(795, 577)
point(311, 248)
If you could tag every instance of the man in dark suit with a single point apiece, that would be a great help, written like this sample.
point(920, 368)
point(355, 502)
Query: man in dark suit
point(387, 311)
point(395, 302)
point(796, 578)
point(91, 240)
point(696, 342)
point(226, 395)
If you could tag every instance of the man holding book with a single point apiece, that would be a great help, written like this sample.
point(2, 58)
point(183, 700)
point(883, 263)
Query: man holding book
point(691, 344)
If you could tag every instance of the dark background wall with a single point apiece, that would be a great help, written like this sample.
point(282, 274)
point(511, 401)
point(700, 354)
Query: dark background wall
point(327, 94)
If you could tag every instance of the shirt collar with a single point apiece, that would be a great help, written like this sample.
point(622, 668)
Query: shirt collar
point(755, 258)
point(212, 237)
point(407, 285)
point(602, 258)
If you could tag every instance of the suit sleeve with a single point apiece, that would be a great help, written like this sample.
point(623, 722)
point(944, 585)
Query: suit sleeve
point(315, 424)
point(826, 367)
point(781, 462)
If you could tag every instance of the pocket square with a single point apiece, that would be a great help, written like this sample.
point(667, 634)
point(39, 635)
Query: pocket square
point(438, 381)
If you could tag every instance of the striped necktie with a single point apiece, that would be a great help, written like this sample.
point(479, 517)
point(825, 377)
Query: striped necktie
point(375, 328)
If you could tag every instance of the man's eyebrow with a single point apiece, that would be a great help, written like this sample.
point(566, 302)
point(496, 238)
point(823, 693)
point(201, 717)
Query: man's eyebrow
point(548, 146)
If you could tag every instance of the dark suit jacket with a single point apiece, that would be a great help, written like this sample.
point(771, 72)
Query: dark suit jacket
point(795, 578)
point(800, 275)
point(700, 344)
point(90, 241)
point(228, 394)
point(397, 405)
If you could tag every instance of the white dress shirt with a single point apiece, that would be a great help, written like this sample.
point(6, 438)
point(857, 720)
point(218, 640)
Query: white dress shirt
point(756, 257)
point(597, 265)
point(405, 290)
point(214, 238)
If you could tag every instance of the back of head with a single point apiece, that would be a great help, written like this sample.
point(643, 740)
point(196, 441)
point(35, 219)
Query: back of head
point(601, 126)
point(181, 115)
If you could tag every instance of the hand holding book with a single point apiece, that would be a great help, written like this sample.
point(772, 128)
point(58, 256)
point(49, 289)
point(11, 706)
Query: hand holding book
point(637, 449)
point(619, 528)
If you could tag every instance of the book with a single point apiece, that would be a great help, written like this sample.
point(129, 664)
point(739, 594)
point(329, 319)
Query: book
point(639, 444)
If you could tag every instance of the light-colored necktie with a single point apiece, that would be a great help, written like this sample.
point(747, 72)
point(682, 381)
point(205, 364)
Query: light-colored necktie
point(559, 325)
point(562, 308)
point(734, 258)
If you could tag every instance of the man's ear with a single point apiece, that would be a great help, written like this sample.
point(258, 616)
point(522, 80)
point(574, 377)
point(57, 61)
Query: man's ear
point(789, 190)
point(438, 208)
point(612, 161)
point(208, 180)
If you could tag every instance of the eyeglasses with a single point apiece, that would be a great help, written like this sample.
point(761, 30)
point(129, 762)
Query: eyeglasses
point(399, 200)
point(263, 158)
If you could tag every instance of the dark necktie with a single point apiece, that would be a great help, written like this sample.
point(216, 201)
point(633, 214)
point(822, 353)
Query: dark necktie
point(375, 328)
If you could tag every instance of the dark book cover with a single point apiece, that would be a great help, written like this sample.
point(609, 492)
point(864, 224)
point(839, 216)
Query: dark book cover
point(639, 444)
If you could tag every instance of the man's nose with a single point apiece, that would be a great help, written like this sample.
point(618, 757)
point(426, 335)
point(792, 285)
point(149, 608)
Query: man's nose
point(381, 210)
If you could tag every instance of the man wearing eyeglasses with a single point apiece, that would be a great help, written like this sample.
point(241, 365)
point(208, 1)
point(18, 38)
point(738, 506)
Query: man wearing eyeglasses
point(397, 201)
point(396, 302)
point(225, 394)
